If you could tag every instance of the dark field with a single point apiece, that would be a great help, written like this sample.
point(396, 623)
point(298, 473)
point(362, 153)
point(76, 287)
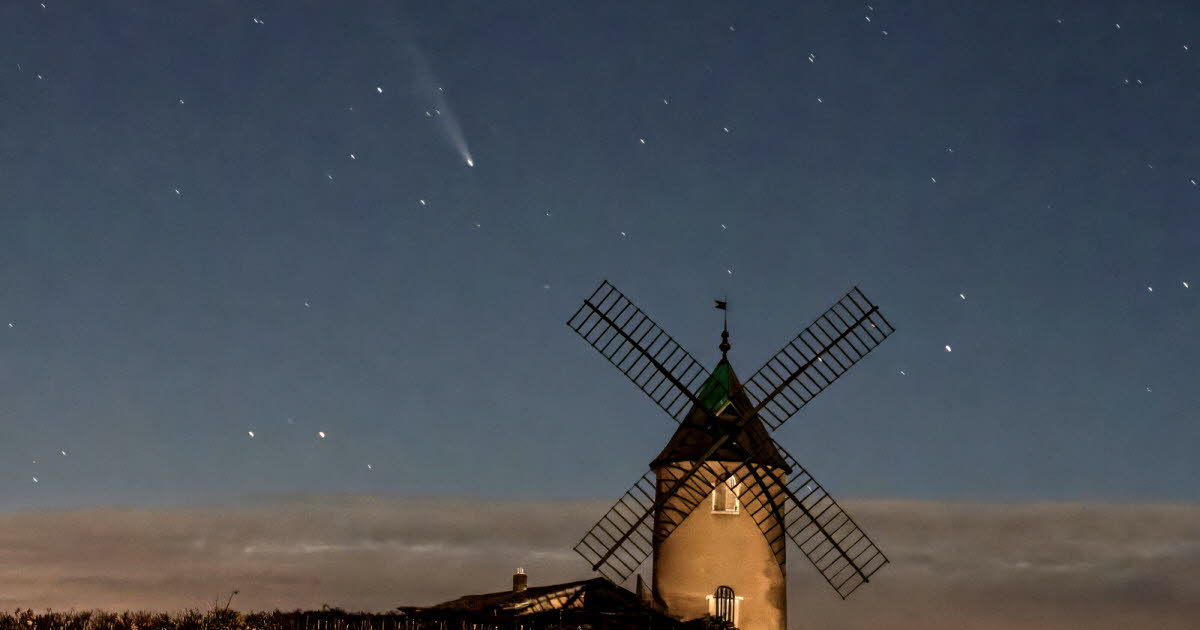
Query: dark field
point(216, 619)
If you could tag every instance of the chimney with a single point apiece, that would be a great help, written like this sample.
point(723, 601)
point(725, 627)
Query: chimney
point(520, 580)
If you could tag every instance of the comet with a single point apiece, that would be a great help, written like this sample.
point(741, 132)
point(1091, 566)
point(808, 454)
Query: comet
point(425, 84)
point(443, 114)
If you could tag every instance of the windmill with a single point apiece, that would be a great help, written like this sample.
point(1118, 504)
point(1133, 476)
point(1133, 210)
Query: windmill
point(721, 500)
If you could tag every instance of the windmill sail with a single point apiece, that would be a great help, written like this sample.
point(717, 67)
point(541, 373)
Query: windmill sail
point(820, 354)
point(639, 348)
point(840, 550)
point(623, 538)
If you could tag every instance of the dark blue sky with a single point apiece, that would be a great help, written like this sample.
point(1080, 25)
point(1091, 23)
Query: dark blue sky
point(1035, 158)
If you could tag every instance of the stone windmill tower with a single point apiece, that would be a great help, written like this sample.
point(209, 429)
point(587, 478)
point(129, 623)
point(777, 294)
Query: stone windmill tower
point(722, 498)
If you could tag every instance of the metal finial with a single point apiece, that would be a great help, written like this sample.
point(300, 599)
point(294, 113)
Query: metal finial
point(724, 307)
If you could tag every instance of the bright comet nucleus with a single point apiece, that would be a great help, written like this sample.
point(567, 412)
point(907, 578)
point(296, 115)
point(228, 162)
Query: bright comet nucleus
point(470, 163)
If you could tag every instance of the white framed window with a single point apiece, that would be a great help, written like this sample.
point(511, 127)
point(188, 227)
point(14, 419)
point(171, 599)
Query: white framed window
point(725, 497)
point(724, 604)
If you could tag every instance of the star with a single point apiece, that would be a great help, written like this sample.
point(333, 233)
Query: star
point(321, 434)
point(378, 89)
point(948, 348)
point(250, 433)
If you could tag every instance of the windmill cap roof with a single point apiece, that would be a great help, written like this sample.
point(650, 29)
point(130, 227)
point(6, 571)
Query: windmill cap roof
point(722, 395)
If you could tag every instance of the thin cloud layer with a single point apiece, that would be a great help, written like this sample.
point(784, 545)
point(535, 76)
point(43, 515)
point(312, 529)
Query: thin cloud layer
point(954, 565)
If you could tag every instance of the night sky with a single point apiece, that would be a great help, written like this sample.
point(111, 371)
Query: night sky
point(219, 218)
